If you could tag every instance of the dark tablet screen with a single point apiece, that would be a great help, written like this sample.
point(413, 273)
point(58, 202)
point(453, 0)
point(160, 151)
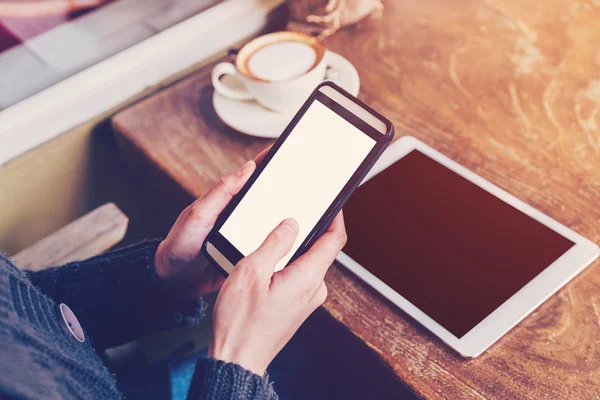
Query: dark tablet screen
point(446, 245)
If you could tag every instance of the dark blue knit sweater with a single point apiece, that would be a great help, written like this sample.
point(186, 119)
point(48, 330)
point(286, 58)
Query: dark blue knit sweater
point(116, 298)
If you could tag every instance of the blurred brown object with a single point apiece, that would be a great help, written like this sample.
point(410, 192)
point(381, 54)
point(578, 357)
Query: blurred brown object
point(32, 9)
point(325, 17)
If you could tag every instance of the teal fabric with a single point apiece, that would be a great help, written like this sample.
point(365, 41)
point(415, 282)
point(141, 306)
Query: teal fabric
point(181, 375)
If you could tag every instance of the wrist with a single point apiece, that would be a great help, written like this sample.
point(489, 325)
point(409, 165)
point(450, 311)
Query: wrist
point(248, 363)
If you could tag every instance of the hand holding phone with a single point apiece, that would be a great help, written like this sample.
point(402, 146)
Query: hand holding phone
point(304, 180)
point(277, 303)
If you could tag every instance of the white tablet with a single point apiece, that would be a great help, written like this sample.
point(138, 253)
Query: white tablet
point(458, 254)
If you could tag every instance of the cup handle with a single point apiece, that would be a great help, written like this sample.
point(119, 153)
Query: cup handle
point(226, 68)
point(330, 72)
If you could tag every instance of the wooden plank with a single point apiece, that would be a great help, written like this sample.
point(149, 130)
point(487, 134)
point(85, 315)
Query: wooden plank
point(508, 91)
point(90, 235)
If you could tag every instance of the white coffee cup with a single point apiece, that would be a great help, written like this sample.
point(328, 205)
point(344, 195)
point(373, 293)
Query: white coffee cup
point(279, 70)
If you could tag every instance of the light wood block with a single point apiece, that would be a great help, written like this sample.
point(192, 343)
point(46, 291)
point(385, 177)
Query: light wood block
point(85, 237)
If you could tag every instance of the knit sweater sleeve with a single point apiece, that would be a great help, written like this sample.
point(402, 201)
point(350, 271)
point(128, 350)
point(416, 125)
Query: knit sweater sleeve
point(117, 296)
point(219, 380)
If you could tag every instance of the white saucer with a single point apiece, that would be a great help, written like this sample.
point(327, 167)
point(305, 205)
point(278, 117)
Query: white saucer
point(249, 117)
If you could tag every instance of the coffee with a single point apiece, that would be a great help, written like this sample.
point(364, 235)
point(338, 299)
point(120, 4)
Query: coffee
point(278, 70)
point(280, 56)
point(282, 60)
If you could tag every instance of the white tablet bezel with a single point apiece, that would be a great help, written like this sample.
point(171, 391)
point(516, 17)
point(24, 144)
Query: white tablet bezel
point(516, 307)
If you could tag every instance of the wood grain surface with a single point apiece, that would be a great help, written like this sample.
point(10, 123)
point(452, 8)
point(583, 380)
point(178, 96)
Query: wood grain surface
point(509, 89)
point(87, 236)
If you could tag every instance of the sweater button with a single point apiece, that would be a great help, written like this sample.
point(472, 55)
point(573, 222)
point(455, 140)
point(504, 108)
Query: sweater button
point(71, 322)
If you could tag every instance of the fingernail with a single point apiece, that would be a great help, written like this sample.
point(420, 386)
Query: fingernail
point(246, 168)
point(291, 224)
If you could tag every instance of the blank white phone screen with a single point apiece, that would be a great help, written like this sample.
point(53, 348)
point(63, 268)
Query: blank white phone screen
point(301, 181)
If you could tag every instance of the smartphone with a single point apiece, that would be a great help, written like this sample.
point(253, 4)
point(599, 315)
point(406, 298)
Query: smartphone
point(308, 174)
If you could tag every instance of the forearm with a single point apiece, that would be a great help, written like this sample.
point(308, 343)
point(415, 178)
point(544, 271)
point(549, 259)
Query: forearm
point(117, 296)
point(219, 380)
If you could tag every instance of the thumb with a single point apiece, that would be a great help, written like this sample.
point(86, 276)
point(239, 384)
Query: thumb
point(277, 244)
point(204, 211)
point(191, 228)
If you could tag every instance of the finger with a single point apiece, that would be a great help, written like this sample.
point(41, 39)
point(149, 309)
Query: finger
point(206, 209)
point(338, 224)
point(319, 296)
point(261, 156)
point(312, 266)
point(277, 244)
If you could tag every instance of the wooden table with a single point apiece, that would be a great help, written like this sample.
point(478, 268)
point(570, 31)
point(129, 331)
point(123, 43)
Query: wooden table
point(509, 89)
